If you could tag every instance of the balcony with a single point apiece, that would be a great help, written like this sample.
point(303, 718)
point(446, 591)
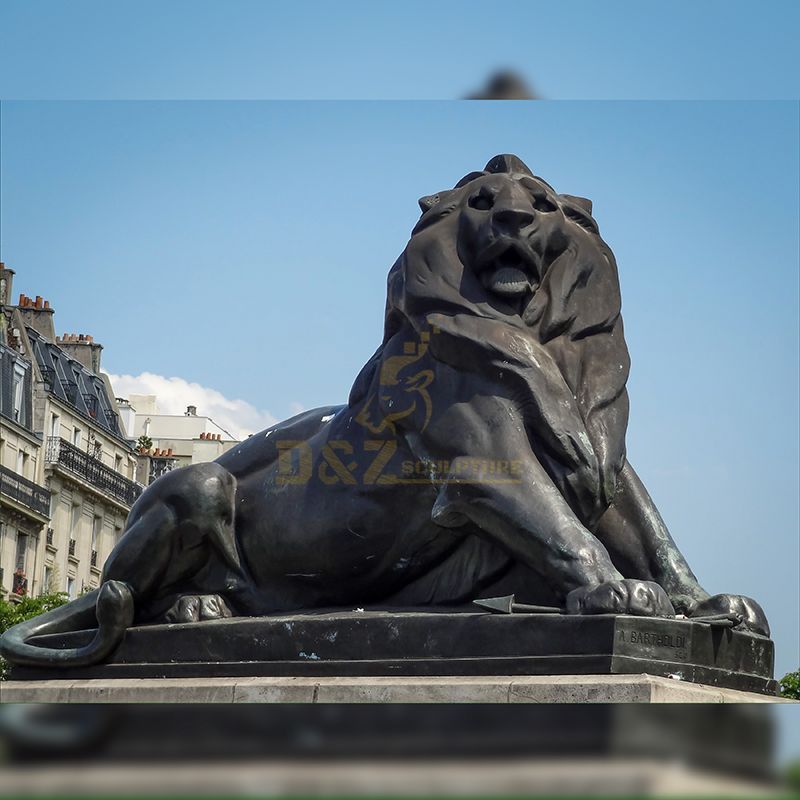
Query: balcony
point(63, 454)
point(26, 492)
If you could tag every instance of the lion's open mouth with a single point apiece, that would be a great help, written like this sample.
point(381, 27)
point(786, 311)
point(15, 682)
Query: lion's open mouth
point(508, 269)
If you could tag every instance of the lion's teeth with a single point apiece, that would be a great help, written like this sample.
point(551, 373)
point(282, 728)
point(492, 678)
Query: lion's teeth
point(509, 280)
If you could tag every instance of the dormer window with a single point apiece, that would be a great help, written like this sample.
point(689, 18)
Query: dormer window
point(17, 392)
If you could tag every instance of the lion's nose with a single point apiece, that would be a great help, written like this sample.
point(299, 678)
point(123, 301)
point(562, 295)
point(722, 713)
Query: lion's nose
point(512, 220)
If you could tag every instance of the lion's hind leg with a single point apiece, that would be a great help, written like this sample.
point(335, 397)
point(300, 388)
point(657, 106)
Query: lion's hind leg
point(186, 522)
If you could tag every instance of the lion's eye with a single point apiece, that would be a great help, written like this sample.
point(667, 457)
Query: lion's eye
point(482, 201)
point(541, 203)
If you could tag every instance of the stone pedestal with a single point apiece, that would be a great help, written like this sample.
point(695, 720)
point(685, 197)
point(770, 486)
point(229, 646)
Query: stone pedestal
point(385, 736)
point(384, 689)
point(599, 777)
point(455, 644)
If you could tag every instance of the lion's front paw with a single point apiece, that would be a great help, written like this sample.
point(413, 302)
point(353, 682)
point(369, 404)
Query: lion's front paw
point(751, 613)
point(628, 596)
point(196, 607)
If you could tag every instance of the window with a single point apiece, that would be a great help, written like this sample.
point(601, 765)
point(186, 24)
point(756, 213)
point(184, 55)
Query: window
point(21, 462)
point(17, 393)
point(97, 523)
point(71, 587)
point(75, 522)
point(47, 579)
point(76, 437)
point(22, 551)
point(55, 425)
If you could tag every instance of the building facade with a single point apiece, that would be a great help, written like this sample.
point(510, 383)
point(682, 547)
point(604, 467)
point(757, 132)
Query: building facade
point(68, 467)
point(24, 502)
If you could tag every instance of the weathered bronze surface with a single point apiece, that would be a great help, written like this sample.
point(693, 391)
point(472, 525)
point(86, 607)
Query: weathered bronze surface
point(481, 453)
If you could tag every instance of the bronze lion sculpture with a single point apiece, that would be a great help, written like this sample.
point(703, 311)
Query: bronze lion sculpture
point(482, 449)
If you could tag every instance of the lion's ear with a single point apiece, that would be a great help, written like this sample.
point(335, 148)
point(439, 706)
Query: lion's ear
point(581, 202)
point(429, 201)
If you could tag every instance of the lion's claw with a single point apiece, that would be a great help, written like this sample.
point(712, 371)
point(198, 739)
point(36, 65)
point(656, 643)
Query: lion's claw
point(628, 596)
point(750, 613)
point(197, 607)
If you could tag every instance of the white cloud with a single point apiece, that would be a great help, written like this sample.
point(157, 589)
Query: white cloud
point(173, 395)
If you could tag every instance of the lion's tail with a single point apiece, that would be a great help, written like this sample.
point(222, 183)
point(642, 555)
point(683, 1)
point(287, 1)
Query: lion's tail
point(110, 608)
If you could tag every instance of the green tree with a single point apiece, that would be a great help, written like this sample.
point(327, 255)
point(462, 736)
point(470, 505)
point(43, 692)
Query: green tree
point(792, 775)
point(790, 685)
point(144, 443)
point(12, 613)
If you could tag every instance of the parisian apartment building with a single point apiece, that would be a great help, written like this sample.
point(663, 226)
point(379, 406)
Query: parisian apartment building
point(66, 466)
point(71, 460)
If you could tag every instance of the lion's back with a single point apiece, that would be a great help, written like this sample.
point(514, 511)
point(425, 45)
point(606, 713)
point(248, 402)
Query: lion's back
point(260, 450)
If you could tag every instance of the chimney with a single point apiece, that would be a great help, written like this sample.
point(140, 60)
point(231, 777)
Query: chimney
point(191, 411)
point(82, 348)
point(127, 415)
point(6, 283)
point(37, 314)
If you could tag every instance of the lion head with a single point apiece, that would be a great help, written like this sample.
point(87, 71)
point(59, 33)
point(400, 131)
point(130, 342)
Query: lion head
point(510, 229)
point(515, 274)
point(504, 244)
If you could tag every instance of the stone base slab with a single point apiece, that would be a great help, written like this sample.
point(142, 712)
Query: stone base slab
point(426, 644)
point(450, 689)
point(598, 777)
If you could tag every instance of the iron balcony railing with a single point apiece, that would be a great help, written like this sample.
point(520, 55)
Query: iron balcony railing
point(93, 559)
point(27, 492)
point(92, 470)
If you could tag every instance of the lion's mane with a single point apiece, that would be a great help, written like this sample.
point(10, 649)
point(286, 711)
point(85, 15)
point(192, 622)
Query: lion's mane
point(566, 351)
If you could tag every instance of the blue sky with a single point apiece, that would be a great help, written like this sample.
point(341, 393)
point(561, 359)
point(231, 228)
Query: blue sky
point(244, 246)
point(583, 49)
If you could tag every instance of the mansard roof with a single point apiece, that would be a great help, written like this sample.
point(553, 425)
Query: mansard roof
point(72, 383)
